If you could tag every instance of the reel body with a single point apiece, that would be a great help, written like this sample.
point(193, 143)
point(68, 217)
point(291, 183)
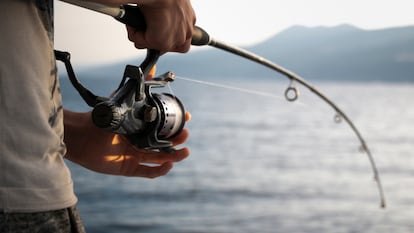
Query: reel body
point(147, 119)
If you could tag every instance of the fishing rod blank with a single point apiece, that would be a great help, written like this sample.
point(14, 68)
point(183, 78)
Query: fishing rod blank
point(132, 16)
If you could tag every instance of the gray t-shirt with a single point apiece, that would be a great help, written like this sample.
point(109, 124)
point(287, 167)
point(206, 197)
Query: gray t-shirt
point(33, 175)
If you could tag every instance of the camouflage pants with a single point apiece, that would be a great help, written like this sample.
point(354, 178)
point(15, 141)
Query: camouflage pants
point(58, 221)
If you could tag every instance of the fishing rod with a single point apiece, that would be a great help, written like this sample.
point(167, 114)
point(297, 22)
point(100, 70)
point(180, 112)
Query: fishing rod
point(132, 16)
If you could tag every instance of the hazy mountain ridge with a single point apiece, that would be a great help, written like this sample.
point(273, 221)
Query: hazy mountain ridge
point(343, 52)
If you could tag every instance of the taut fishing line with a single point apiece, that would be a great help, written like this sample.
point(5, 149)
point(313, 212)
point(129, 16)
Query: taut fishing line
point(228, 87)
point(146, 117)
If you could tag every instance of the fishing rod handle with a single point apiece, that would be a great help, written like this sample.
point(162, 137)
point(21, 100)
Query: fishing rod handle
point(104, 9)
point(132, 16)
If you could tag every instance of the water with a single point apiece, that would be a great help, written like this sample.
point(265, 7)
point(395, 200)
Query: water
point(262, 164)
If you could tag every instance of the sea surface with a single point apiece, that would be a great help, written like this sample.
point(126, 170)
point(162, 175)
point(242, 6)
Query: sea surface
point(262, 164)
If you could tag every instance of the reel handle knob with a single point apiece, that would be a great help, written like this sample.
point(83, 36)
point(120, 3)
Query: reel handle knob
point(106, 116)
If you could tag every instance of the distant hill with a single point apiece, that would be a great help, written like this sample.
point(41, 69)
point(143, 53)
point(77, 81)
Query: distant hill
point(343, 52)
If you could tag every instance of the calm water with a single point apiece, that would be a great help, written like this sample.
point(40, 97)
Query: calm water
point(262, 164)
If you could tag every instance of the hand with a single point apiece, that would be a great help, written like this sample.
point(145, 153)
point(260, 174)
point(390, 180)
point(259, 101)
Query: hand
point(170, 26)
point(108, 153)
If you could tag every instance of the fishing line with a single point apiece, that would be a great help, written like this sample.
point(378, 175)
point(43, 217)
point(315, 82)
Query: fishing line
point(233, 88)
point(170, 89)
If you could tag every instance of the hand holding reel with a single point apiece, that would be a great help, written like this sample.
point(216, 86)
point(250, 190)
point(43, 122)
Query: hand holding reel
point(147, 119)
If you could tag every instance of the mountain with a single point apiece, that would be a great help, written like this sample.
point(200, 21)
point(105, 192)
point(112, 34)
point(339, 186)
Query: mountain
point(343, 52)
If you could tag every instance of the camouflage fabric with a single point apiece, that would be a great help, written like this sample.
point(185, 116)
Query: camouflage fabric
point(58, 221)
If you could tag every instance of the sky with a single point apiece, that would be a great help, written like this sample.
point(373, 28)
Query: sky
point(96, 39)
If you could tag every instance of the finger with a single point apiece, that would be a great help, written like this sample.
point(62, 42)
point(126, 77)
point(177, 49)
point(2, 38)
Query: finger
point(138, 37)
point(162, 157)
point(181, 137)
point(152, 172)
point(187, 116)
point(183, 47)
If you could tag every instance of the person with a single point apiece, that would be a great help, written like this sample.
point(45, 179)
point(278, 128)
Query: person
point(36, 133)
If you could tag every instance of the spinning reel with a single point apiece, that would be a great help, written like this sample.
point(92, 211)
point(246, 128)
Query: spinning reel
point(147, 119)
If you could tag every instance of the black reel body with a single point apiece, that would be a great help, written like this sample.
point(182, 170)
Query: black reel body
point(147, 119)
